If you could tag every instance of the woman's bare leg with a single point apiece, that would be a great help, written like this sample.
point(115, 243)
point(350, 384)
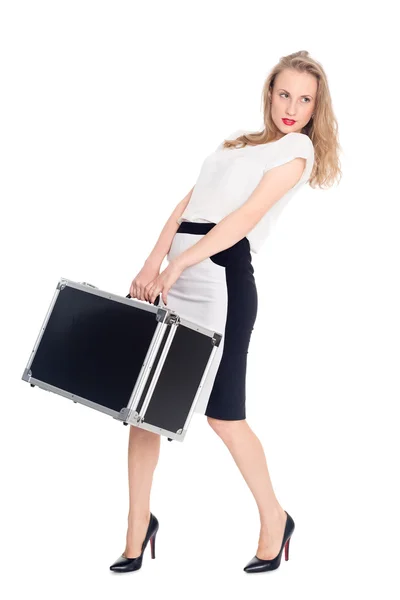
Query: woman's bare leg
point(143, 453)
point(248, 453)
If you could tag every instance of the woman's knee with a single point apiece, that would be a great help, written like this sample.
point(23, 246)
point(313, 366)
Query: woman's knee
point(213, 422)
point(223, 426)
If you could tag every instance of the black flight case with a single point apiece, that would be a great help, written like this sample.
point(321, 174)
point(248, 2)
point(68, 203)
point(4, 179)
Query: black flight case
point(139, 363)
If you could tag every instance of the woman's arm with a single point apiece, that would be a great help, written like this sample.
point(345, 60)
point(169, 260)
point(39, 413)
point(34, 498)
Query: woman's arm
point(166, 236)
point(235, 226)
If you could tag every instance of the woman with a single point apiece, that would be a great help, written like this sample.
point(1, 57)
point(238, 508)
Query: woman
point(241, 190)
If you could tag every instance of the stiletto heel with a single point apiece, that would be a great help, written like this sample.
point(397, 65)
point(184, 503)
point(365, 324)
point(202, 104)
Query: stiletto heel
point(256, 565)
point(124, 564)
point(287, 550)
point(153, 546)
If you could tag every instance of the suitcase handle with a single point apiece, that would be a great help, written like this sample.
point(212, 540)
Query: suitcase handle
point(156, 301)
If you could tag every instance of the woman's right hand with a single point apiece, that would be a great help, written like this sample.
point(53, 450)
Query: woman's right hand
point(148, 272)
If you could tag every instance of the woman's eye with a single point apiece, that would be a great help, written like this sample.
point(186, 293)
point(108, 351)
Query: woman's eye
point(284, 94)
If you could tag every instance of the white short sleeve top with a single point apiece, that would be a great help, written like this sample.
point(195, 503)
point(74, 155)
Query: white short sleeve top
point(228, 176)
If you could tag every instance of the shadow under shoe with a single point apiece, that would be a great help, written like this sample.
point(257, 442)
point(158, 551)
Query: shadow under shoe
point(257, 565)
point(123, 564)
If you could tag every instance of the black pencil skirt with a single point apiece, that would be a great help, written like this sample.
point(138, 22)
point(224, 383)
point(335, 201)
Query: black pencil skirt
point(218, 293)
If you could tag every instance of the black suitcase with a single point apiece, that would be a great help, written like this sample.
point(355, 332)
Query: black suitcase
point(140, 363)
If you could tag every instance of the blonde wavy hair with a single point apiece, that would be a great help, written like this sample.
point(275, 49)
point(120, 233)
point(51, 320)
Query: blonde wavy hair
point(322, 128)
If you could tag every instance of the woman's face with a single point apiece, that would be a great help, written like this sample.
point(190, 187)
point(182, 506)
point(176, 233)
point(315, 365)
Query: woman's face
point(293, 98)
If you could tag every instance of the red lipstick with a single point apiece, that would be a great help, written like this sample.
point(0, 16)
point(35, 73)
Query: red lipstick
point(289, 121)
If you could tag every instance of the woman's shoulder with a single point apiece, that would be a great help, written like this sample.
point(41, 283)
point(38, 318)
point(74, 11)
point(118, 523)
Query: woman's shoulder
point(293, 144)
point(297, 139)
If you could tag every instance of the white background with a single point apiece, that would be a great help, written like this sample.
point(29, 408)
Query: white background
point(107, 112)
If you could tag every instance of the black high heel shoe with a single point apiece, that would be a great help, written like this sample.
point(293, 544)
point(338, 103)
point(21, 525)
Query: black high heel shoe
point(124, 564)
point(256, 565)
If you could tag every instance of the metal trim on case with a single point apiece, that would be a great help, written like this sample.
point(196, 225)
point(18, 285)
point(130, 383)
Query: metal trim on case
point(97, 292)
point(125, 414)
point(197, 327)
point(216, 339)
point(143, 376)
point(159, 367)
point(52, 388)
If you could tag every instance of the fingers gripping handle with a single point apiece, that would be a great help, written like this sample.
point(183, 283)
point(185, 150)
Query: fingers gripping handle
point(156, 301)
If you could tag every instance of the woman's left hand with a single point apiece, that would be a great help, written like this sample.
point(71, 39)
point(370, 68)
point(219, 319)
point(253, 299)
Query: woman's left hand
point(163, 282)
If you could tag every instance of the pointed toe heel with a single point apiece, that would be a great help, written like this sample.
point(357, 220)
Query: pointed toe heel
point(257, 565)
point(124, 564)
